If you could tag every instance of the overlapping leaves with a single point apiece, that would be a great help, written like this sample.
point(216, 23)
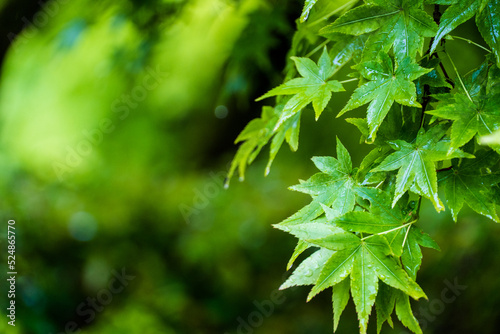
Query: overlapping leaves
point(472, 182)
point(334, 187)
point(346, 261)
point(401, 24)
point(363, 221)
point(473, 109)
point(258, 133)
point(416, 166)
point(314, 87)
point(487, 20)
point(386, 86)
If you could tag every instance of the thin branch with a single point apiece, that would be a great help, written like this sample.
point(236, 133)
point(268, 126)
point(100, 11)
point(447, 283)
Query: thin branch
point(316, 49)
point(471, 42)
point(445, 73)
point(418, 206)
point(444, 169)
point(425, 102)
point(459, 78)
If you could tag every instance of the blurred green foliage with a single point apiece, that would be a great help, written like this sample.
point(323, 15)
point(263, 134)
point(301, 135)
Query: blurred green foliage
point(116, 122)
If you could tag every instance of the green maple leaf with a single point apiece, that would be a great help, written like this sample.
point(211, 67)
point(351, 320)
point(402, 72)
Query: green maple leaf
point(384, 304)
point(405, 314)
point(340, 298)
point(470, 116)
point(366, 262)
point(307, 273)
point(473, 109)
point(395, 224)
point(334, 187)
point(386, 86)
point(381, 217)
point(469, 183)
point(390, 299)
point(258, 133)
point(254, 136)
point(307, 230)
point(416, 164)
point(488, 23)
point(401, 24)
point(311, 230)
point(487, 20)
point(453, 16)
point(314, 87)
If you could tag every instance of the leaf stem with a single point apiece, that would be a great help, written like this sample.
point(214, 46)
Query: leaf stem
point(316, 49)
point(338, 9)
point(418, 208)
point(444, 169)
point(425, 101)
point(392, 230)
point(446, 74)
point(406, 236)
point(349, 80)
point(459, 78)
point(471, 42)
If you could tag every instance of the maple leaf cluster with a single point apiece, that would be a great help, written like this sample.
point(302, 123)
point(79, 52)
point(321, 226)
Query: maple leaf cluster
point(433, 134)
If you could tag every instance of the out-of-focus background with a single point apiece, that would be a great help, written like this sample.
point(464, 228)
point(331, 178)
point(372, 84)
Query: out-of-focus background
point(117, 122)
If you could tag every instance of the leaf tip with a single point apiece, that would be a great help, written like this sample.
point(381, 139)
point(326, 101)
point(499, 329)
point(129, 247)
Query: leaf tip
point(268, 170)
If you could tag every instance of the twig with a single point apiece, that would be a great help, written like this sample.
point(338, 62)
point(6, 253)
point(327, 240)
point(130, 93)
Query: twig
point(459, 78)
point(471, 42)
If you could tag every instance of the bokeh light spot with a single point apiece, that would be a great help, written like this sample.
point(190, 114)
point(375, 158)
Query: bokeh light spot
point(82, 226)
point(221, 112)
